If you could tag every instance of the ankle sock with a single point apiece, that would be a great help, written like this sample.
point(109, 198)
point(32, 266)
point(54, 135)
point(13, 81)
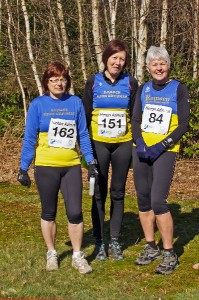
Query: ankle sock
point(53, 251)
point(152, 244)
point(76, 254)
point(169, 250)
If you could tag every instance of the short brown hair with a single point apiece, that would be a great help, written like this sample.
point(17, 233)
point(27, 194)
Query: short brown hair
point(113, 47)
point(56, 69)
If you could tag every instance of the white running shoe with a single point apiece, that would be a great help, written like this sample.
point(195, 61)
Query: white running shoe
point(81, 264)
point(52, 261)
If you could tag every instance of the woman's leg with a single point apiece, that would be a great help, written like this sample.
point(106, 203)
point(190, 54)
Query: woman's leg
point(142, 172)
point(71, 188)
point(102, 154)
point(120, 161)
point(163, 170)
point(48, 183)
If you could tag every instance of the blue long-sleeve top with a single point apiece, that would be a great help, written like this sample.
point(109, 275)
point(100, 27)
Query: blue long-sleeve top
point(36, 138)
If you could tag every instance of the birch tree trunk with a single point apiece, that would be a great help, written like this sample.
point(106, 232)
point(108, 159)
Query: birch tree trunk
point(0, 15)
point(113, 12)
point(64, 34)
point(134, 32)
point(65, 40)
point(196, 41)
point(164, 23)
point(55, 29)
point(14, 60)
point(142, 40)
point(106, 21)
point(96, 34)
point(81, 39)
point(29, 47)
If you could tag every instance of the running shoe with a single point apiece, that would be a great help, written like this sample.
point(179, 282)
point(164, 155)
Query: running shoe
point(114, 251)
point(100, 253)
point(148, 255)
point(52, 261)
point(169, 263)
point(81, 264)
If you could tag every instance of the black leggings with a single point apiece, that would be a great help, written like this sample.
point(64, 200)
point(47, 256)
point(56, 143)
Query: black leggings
point(152, 181)
point(49, 181)
point(119, 155)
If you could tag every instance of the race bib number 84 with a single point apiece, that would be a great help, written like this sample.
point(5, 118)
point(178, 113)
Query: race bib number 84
point(62, 133)
point(156, 118)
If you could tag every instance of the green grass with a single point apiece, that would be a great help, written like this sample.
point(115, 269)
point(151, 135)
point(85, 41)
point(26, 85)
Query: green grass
point(23, 254)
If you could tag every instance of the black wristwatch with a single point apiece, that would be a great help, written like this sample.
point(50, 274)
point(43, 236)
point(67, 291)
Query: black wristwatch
point(93, 162)
point(168, 143)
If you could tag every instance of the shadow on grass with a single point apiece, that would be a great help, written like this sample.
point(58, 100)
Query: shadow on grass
point(131, 233)
point(186, 227)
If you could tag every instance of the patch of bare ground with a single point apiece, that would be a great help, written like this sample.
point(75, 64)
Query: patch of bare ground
point(184, 185)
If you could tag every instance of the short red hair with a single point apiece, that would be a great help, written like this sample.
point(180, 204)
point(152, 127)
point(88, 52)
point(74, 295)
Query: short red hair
point(55, 69)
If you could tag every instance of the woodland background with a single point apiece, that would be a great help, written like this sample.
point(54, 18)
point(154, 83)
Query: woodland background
point(33, 33)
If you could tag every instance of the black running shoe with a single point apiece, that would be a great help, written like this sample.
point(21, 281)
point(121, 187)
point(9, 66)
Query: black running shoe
point(100, 252)
point(169, 263)
point(148, 255)
point(114, 251)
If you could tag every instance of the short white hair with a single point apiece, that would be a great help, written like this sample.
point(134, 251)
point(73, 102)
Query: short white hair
point(154, 53)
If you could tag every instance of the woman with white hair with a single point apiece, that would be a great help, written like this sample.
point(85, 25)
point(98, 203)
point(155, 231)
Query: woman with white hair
point(160, 118)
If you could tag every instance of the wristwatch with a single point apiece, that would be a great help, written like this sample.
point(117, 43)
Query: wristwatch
point(168, 143)
point(93, 162)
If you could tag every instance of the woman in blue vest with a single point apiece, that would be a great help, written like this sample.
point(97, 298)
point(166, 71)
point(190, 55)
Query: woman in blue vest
point(108, 100)
point(55, 123)
point(160, 118)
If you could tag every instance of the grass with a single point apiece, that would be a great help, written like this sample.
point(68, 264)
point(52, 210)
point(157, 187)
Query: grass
point(23, 253)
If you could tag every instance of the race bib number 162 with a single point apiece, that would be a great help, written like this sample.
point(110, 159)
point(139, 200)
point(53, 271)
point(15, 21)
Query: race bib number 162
point(62, 133)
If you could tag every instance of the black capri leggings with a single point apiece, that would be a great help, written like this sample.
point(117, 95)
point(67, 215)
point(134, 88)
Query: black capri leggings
point(152, 181)
point(49, 181)
point(119, 155)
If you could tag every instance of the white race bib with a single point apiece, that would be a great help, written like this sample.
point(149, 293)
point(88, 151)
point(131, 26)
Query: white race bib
point(156, 118)
point(111, 123)
point(62, 133)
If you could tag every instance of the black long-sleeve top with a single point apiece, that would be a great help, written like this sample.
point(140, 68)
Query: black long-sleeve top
point(88, 94)
point(183, 112)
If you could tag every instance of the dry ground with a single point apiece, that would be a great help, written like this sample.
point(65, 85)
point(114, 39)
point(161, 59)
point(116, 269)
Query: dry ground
point(184, 186)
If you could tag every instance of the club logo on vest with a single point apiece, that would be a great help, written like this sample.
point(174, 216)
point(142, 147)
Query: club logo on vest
point(147, 89)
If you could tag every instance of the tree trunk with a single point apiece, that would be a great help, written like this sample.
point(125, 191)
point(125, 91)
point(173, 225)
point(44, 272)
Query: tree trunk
point(142, 40)
point(113, 11)
point(65, 39)
point(55, 29)
point(29, 46)
point(96, 34)
point(64, 34)
point(134, 33)
point(163, 37)
point(14, 60)
point(106, 21)
point(0, 15)
point(196, 40)
point(81, 40)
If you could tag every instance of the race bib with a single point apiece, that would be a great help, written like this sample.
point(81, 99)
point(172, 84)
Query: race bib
point(111, 123)
point(62, 133)
point(156, 118)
